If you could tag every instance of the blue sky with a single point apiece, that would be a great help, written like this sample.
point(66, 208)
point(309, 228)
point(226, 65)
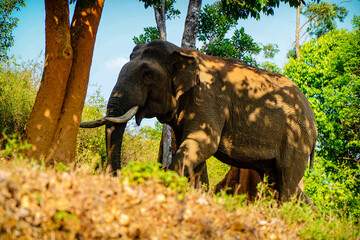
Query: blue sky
point(122, 20)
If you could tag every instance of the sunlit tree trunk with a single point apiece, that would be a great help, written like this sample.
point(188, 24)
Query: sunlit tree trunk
point(44, 117)
point(165, 149)
point(55, 118)
point(83, 33)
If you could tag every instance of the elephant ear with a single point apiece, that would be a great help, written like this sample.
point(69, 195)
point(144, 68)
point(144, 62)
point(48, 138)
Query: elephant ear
point(185, 73)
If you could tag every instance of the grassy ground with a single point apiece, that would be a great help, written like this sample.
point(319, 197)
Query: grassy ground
point(143, 203)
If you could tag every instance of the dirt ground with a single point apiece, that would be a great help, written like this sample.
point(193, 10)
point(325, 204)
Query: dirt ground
point(37, 203)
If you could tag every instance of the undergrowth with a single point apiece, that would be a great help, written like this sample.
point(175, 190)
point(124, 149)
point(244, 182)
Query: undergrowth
point(307, 222)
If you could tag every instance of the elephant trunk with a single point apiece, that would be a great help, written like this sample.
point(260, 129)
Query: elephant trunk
point(114, 134)
point(118, 113)
point(114, 131)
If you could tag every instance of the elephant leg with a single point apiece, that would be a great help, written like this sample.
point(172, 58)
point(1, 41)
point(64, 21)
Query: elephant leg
point(231, 180)
point(291, 165)
point(201, 176)
point(190, 159)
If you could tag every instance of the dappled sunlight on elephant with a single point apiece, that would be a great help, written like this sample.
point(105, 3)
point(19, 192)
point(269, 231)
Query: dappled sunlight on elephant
point(244, 116)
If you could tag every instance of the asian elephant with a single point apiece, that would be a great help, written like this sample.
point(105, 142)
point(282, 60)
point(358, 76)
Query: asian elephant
point(244, 116)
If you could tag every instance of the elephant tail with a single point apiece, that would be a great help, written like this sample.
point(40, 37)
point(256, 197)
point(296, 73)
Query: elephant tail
point(312, 155)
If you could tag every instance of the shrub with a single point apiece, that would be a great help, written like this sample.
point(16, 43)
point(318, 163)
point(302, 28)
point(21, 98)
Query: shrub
point(18, 88)
point(328, 73)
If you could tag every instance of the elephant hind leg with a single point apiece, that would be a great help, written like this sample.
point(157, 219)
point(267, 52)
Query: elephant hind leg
point(291, 165)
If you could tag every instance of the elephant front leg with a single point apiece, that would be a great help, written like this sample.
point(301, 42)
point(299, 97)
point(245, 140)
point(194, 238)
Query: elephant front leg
point(190, 159)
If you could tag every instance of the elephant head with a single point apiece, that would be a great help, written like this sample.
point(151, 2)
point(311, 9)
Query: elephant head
point(149, 85)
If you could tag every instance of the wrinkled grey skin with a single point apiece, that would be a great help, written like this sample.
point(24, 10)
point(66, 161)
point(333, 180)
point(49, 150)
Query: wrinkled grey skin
point(244, 116)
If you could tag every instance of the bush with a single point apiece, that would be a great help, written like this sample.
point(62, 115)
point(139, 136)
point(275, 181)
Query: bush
point(90, 144)
point(328, 73)
point(139, 144)
point(216, 171)
point(18, 88)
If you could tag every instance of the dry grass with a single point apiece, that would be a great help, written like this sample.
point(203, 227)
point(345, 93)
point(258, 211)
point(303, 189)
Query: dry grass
point(38, 203)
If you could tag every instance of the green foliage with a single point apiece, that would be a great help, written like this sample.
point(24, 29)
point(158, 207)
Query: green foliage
point(171, 12)
point(328, 73)
point(13, 147)
point(18, 88)
point(253, 8)
point(322, 17)
point(311, 224)
point(271, 67)
point(335, 191)
point(90, 144)
point(150, 33)
point(61, 167)
point(270, 50)
point(216, 171)
point(214, 25)
point(141, 145)
point(7, 24)
point(63, 215)
point(137, 173)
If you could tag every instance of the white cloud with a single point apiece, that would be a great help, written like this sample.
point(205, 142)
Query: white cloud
point(115, 64)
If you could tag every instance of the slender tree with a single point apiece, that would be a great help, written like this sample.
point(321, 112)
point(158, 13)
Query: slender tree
point(297, 32)
point(321, 18)
point(163, 10)
point(54, 121)
point(191, 24)
point(160, 17)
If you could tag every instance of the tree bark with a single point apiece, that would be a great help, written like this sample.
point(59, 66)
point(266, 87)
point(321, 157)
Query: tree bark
point(83, 34)
point(297, 32)
point(160, 14)
point(41, 126)
point(54, 121)
point(165, 149)
point(191, 24)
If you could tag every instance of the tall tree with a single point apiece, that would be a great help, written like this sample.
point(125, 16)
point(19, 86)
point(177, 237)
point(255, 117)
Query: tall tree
point(54, 121)
point(7, 24)
point(297, 31)
point(160, 17)
point(321, 18)
point(191, 24)
point(163, 10)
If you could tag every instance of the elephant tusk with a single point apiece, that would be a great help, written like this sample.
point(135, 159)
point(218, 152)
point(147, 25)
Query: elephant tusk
point(124, 118)
point(93, 124)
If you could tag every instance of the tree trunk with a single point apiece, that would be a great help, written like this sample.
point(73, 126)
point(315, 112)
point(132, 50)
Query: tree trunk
point(297, 32)
point(83, 34)
point(54, 121)
point(191, 24)
point(160, 14)
point(42, 123)
point(188, 41)
point(165, 150)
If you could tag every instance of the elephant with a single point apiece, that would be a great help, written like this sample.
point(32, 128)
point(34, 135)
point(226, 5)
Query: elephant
point(244, 116)
point(240, 181)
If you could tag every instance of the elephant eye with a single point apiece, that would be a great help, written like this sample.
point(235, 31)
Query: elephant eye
point(146, 75)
